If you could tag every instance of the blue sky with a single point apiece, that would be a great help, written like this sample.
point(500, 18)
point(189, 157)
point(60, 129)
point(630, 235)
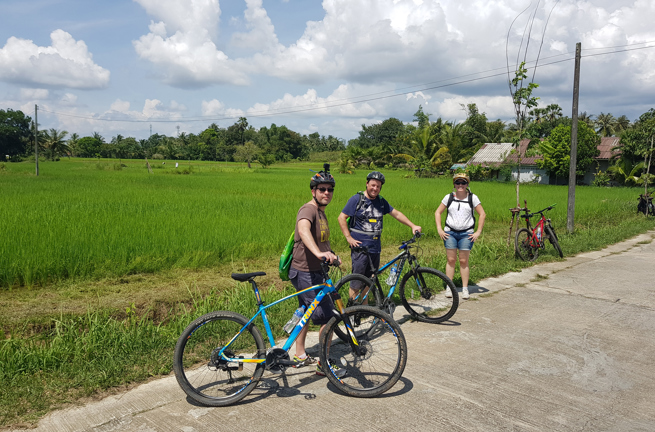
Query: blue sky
point(119, 67)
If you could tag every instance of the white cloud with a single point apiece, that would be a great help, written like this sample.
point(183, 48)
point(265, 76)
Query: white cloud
point(66, 63)
point(32, 94)
point(181, 44)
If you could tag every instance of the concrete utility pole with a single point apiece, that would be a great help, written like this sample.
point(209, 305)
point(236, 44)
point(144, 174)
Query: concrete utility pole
point(570, 212)
point(36, 139)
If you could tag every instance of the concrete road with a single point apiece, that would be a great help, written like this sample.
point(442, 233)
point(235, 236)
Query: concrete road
point(564, 346)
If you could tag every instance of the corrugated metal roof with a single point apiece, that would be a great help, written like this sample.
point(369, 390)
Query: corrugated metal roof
point(523, 146)
point(606, 145)
point(491, 154)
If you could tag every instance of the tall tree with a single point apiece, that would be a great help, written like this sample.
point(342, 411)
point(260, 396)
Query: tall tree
point(556, 150)
point(15, 133)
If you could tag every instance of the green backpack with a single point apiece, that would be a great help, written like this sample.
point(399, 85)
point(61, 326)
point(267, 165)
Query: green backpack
point(286, 258)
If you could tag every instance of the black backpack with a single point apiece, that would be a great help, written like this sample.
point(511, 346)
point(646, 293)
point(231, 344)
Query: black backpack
point(451, 199)
point(360, 203)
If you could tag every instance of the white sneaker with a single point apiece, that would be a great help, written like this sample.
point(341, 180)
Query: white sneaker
point(465, 293)
point(448, 293)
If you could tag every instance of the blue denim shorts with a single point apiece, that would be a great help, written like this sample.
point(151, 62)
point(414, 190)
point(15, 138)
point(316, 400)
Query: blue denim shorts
point(458, 240)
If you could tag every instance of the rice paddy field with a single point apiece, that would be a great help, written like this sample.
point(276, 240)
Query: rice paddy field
point(91, 219)
point(87, 231)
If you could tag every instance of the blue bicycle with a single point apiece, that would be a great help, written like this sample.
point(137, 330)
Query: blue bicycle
point(220, 357)
point(426, 293)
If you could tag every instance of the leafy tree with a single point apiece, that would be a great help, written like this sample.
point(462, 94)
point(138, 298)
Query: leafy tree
point(88, 147)
point(556, 150)
point(266, 160)
point(626, 172)
point(246, 153)
point(422, 118)
point(379, 134)
point(15, 133)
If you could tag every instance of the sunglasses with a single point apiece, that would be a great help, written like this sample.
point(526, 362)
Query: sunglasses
point(322, 189)
point(460, 183)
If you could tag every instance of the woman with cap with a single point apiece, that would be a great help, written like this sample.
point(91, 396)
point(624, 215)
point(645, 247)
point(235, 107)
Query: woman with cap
point(459, 234)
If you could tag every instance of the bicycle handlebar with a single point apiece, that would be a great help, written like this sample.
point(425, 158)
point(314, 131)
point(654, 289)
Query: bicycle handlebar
point(529, 215)
point(364, 249)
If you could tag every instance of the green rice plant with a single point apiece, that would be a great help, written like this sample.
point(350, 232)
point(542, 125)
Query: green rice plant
point(75, 221)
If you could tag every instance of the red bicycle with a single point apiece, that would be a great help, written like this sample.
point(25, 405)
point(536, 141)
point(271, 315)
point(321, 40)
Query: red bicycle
point(528, 241)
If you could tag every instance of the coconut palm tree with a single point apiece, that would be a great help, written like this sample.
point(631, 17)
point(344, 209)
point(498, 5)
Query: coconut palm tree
point(605, 125)
point(622, 124)
point(586, 118)
point(54, 142)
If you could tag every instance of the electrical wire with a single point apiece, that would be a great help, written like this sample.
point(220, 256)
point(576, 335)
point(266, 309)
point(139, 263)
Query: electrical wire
point(368, 97)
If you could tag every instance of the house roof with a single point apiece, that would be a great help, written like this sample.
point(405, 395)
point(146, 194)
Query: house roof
point(491, 154)
point(523, 146)
point(606, 145)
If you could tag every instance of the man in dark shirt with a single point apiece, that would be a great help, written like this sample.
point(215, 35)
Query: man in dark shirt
point(367, 228)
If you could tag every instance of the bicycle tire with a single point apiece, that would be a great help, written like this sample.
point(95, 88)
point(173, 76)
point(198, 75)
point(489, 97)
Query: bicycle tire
point(381, 363)
point(343, 287)
point(209, 380)
point(423, 294)
point(552, 237)
point(522, 245)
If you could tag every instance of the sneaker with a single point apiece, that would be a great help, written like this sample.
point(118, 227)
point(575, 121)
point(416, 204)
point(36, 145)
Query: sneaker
point(304, 361)
point(465, 293)
point(448, 293)
point(338, 372)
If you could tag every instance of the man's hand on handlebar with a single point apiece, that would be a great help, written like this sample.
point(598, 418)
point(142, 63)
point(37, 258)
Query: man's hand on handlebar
point(330, 258)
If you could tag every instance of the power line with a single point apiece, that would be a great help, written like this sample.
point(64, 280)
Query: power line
point(364, 98)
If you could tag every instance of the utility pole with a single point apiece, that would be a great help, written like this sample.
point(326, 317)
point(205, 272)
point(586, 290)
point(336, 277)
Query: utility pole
point(570, 212)
point(36, 139)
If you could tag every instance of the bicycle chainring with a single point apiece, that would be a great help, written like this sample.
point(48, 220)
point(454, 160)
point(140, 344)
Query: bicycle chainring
point(273, 357)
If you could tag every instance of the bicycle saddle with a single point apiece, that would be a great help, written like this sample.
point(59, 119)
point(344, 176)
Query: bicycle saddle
point(243, 277)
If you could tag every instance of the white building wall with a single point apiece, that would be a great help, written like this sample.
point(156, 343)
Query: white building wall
point(528, 174)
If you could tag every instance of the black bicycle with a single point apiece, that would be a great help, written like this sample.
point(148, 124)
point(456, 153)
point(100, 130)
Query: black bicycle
point(645, 204)
point(426, 293)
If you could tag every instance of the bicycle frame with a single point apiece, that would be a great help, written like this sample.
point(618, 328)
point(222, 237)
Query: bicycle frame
point(403, 256)
point(325, 288)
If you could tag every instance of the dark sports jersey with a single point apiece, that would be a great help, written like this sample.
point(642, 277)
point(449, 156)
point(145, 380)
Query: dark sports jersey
point(368, 220)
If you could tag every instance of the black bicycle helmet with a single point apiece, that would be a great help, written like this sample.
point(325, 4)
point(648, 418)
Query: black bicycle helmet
point(375, 175)
point(322, 177)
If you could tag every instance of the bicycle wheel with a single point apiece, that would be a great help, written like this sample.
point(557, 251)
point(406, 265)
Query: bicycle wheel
point(208, 379)
point(368, 293)
point(376, 363)
point(522, 245)
point(423, 293)
point(550, 232)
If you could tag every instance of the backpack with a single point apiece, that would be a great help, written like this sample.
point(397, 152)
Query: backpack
point(286, 258)
point(451, 199)
point(351, 219)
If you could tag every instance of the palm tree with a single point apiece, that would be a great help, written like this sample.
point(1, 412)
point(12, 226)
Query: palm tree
point(72, 142)
point(622, 124)
point(605, 124)
point(54, 142)
point(626, 172)
point(538, 114)
point(553, 112)
point(586, 118)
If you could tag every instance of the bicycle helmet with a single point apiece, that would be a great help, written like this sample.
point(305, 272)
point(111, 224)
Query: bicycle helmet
point(462, 176)
point(375, 175)
point(322, 177)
